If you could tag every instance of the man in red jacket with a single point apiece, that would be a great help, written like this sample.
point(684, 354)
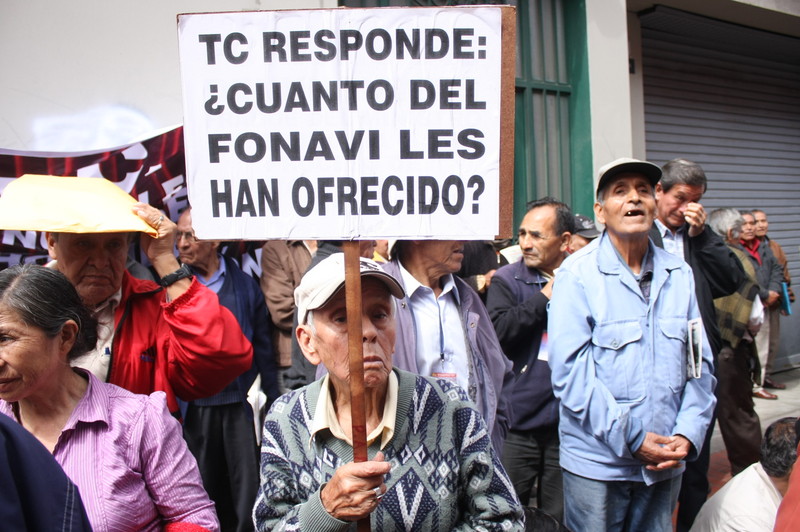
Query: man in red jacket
point(788, 518)
point(175, 338)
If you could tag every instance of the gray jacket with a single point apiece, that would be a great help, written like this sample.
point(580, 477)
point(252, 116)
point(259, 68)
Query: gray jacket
point(492, 373)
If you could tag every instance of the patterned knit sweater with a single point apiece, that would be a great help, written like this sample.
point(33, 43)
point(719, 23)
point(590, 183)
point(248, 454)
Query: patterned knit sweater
point(733, 311)
point(445, 475)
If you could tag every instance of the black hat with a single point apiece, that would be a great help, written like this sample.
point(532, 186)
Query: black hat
point(584, 226)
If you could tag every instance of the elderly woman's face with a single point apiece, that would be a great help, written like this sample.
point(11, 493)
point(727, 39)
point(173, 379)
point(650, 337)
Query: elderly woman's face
point(378, 330)
point(28, 358)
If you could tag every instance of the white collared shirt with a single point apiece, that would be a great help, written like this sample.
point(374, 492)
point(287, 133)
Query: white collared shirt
point(673, 242)
point(749, 501)
point(98, 360)
point(325, 414)
point(441, 342)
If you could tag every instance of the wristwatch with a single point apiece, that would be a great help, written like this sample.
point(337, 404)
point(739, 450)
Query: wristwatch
point(181, 273)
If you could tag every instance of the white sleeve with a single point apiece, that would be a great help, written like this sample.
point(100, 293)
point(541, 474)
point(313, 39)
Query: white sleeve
point(756, 315)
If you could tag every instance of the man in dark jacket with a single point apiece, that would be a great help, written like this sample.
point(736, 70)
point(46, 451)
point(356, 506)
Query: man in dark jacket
point(517, 304)
point(680, 228)
point(35, 493)
point(219, 430)
point(769, 274)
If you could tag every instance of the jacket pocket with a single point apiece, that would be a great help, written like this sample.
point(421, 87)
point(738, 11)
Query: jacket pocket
point(671, 351)
point(618, 359)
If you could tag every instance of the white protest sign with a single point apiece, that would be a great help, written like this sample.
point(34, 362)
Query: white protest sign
point(343, 123)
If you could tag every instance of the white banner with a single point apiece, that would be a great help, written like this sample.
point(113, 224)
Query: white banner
point(343, 123)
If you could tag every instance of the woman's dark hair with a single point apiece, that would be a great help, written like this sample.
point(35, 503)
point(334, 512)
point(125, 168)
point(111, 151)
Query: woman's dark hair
point(44, 298)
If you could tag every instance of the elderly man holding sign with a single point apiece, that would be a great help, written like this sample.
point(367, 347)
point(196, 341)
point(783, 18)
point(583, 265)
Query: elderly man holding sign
point(431, 467)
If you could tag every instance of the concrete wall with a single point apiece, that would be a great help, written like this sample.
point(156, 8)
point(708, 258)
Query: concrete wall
point(85, 74)
point(636, 87)
point(614, 42)
point(609, 81)
point(779, 16)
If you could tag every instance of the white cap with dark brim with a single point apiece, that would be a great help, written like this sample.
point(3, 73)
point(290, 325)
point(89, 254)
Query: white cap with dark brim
point(321, 282)
point(626, 165)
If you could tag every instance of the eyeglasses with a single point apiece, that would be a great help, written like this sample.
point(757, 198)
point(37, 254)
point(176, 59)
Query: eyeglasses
point(188, 236)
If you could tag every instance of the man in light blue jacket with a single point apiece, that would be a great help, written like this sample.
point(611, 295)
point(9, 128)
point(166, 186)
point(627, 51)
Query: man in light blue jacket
point(636, 391)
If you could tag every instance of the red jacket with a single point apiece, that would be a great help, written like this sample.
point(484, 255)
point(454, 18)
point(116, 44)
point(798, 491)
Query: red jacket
point(191, 347)
point(788, 518)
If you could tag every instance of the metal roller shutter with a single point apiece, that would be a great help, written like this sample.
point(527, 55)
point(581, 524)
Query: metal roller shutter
point(728, 98)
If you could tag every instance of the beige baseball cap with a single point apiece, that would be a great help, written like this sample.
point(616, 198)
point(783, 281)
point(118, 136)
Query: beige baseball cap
point(626, 165)
point(321, 282)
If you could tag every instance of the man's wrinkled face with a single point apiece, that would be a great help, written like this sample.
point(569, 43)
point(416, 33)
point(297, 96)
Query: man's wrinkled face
point(628, 207)
point(440, 256)
point(93, 262)
point(366, 248)
point(382, 248)
point(672, 205)
point(578, 242)
point(748, 227)
point(542, 248)
point(196, 253)
point(762, 225)
point(327, 341)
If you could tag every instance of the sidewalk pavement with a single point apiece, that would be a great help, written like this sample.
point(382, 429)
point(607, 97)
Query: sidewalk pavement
point(787, 404)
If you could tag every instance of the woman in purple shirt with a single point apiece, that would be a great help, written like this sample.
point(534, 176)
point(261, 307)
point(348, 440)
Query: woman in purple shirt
point(125, 452)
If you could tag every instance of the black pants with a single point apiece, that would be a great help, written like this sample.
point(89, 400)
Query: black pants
point(738, 420)
point(694, 485)
point(531, 460)
point(222, 439)
point(738, 423)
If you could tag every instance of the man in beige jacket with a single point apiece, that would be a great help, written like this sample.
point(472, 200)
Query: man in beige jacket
point(283, 263)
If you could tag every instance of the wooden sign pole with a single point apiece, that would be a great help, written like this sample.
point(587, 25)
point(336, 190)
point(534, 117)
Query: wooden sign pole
point(352, 287)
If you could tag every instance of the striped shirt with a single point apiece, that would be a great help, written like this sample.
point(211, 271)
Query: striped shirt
point(126, 454)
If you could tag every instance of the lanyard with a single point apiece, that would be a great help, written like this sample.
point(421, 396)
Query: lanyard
point(441, 336)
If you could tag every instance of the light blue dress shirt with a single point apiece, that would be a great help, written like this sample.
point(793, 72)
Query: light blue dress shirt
point(441, 344)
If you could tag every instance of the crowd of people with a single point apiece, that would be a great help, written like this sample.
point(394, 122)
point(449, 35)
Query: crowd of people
point(570, 381)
